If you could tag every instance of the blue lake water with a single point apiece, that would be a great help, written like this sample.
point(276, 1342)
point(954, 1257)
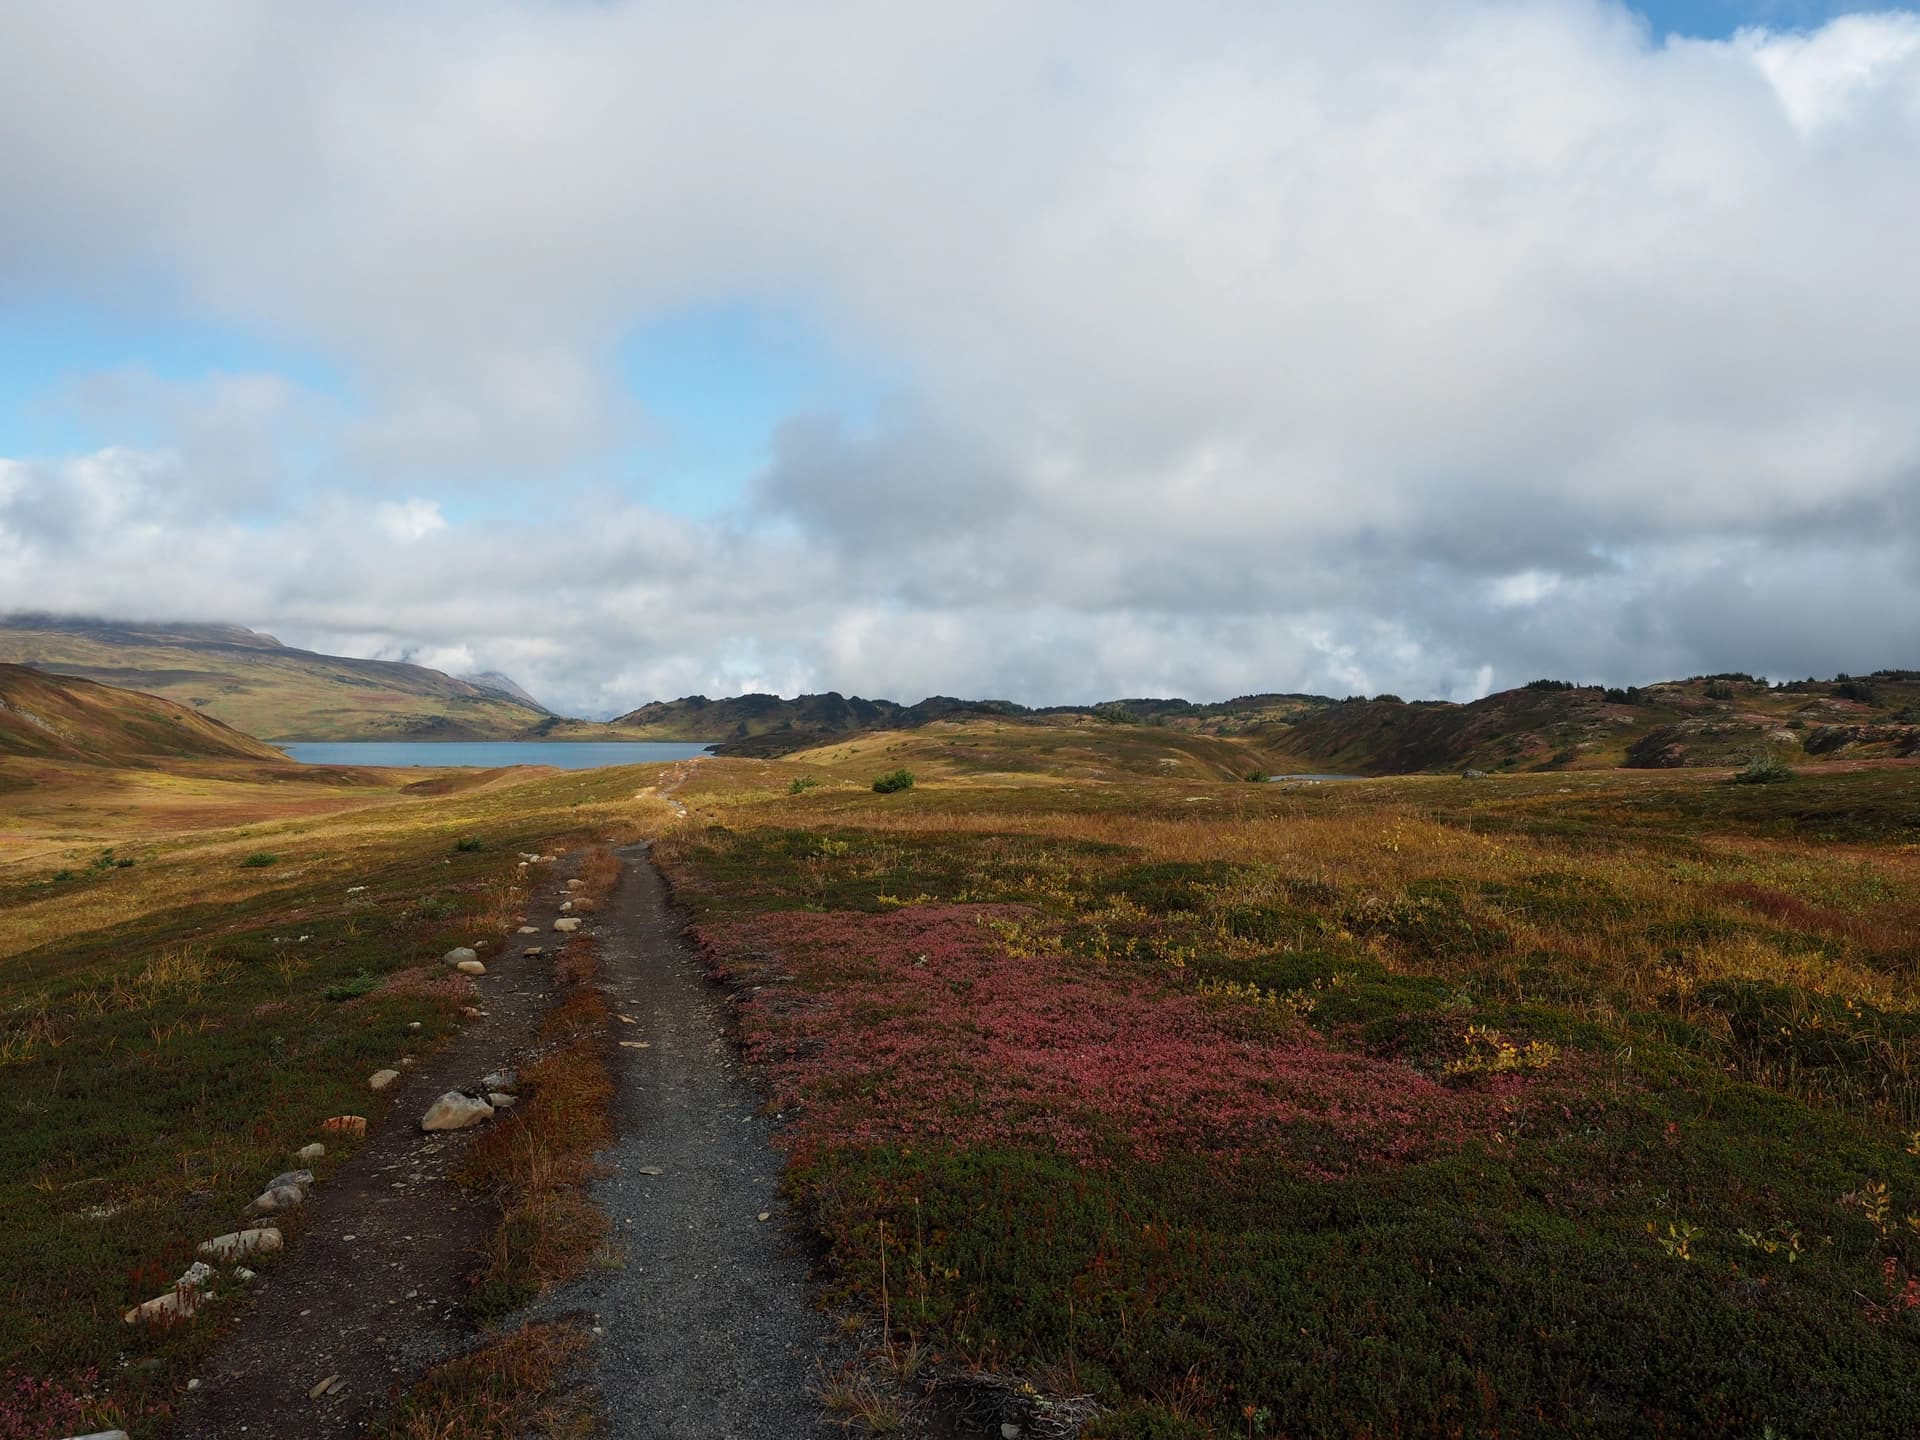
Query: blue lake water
point(1315, 779)
point(490, 754)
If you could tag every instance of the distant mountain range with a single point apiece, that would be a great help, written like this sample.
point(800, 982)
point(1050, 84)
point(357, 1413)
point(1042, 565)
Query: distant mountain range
point(269, 690)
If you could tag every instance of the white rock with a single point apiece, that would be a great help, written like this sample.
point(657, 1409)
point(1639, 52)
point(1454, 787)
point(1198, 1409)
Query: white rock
point(272, 1199)
point(529, 930)
point(174, 1305)
point(576, 884)
point(534, 952)
point(500, 1100)
point(197, 1276)
point(503, 1079)
point(454, 1111)
point(310, 1153)
point(302, 1178)
point(355, 889)
point(242, 1274)
point(380, 1079)
point(566, 904)
point(413, 1025)
point(460, 954)
point(102, 1435)
point(567, 924)
point(471, 967)
point(241, 1242)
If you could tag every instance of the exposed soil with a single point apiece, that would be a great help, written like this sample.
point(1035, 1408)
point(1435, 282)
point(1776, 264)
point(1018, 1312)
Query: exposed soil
point(373, 1290)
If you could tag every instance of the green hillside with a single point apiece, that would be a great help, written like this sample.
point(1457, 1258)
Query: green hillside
point(50, 717)
point(254, 683)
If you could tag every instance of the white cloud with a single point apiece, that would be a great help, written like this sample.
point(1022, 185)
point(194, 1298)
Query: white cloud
point(1408, 344)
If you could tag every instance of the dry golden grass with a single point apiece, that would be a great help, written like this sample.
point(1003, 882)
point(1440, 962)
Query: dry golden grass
point(507, 1389)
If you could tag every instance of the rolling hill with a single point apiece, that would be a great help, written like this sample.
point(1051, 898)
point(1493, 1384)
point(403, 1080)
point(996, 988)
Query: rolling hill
point(50, 717)
point(273, 691)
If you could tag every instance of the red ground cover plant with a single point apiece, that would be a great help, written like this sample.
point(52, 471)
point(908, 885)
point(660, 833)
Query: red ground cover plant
point(916, 1026)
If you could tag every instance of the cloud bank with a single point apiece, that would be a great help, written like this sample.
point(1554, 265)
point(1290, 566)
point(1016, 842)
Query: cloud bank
point(1421, 346)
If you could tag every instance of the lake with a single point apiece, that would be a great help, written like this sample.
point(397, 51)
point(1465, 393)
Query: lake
point(491, 754)
point(1314, 779)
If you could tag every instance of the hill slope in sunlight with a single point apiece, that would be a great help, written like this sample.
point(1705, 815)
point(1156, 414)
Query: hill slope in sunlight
point(55, 717)
point(254, 683)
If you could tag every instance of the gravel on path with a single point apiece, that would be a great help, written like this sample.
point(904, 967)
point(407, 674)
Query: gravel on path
point(709, 1328)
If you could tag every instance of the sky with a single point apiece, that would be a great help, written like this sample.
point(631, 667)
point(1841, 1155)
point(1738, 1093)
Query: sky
point(1006, 348)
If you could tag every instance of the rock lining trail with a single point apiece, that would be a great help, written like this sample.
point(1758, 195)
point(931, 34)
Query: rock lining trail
point(708, 1329)
point(374, 1289)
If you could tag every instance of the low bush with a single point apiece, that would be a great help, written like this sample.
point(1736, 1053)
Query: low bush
point(800, 784)
point(259, 860)
point(468, 844)
point(1763, 769)
point(893, 781)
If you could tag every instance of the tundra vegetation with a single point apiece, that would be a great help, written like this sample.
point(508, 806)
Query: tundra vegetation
point(1562, 1103)
point(1552, 1104)
point(172, 1029)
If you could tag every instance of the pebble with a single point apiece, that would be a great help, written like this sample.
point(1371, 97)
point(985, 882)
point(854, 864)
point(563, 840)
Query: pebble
point(455, 1111)
point(460, 954)
point(413, 1025)
point(764, 1216)
point(471, 967)
point(380, 1079)
point(636, 1044)
point(534, 951)
point(317, 1391)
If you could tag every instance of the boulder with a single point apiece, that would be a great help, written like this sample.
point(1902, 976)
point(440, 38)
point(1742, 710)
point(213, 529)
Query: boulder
point(272, 1200)
point(567, 924)
point(455, 1111)
point(460, 954)
point(241, 1243)
point(380, 1079)
point(471, 967)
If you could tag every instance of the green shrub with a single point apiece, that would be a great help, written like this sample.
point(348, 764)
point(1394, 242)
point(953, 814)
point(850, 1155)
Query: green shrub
point(800, 784)
point(469, 843)
point(259, 860)
point(1257, 777)
point(1763, 769)
point(361, 984)
point(893, 780)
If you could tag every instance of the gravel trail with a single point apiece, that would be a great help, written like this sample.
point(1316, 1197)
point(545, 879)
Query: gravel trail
point(709, 1327)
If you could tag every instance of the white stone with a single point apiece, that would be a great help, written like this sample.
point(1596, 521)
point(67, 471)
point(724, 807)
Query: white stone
point(310, 1153)
point(302, 1178)
point(174, 1305)
point(471, 967)
point(284, 1197)
point(529, 930)
point(566, 904)
point(241, 1242)
point(576, 884)
point(567, 924)
point(454, 1111)
point(196, 1277)
point(500, 1100)
point(502, 1079)
point(460, 954)
point(380, 1079)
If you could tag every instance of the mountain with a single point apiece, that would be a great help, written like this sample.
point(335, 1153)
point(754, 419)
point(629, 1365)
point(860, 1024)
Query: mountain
point(504, 685)
point(1551, 725)
point(254, 683)
point(55, 717)
point(769, 725)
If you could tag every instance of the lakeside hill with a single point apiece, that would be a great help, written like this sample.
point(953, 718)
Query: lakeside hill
point(1552, 725)
point(58, 717)
point(276, 692)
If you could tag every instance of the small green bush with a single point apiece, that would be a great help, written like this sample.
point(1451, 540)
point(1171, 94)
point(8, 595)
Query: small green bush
point(1763, 769)
point(800, 784)
point(892, 781)
point(1257, 777)
point(259, 860)
point(361, 984)
point(467, 844)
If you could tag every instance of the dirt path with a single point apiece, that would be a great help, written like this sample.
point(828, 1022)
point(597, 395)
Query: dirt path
point(374, 1290)
point(709, 1328)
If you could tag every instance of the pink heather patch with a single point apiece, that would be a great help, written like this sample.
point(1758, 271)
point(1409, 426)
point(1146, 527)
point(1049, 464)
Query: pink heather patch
point(914, 1026)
